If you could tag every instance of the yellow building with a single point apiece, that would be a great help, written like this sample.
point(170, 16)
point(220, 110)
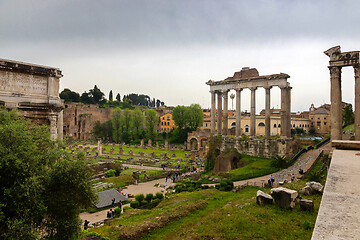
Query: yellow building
point(166, 123)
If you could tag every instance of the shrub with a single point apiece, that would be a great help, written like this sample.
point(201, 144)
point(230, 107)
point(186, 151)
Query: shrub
point(142, 203)
point(149, 197)
point(117, 212)
point(306, 225)
point(126, 208)
point(159, 195)
point(139, 198)
point(226, 185)
point(134, 204)
point(152, 204)
point(110, 173)
point(313, 176)
point(117, 171)
point(90, 234)
point(279, 162)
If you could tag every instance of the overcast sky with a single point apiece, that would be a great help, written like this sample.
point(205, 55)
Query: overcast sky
point(168, 49)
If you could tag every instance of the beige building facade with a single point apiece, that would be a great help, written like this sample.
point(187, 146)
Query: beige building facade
point(34, 91)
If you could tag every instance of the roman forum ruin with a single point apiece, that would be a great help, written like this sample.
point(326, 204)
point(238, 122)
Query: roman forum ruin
point(250, 78)
point(34, 91)
point(337, 61)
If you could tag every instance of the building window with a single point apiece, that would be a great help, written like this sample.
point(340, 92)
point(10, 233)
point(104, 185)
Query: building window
point(261, 124)
point(205, 124)
point(275, 125)
point(246, 128)
point(324, 123)
point(279, 125)
point(318, 124)
point(168, 117)
point(163, 118)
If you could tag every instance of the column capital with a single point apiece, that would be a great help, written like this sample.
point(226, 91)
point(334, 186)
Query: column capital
point(357, 70)
point(335, 69)
point(238, 89)
point(212, 91)
point(252, 88)
point(269, 87)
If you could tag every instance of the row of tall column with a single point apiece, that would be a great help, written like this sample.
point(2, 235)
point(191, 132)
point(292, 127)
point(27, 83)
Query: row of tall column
point(219, 116)
point(336, 103)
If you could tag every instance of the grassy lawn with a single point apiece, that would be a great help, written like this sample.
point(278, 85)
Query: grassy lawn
point(255, 167)
point(213, 214)
point(126, 178)
point(225, 215)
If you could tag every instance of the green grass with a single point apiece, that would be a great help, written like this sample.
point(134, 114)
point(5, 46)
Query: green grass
point(255, 167)
point(227, 215)
point(349, 129)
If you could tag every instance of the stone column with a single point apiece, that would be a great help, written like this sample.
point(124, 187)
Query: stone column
point(219, 113)
point(283, 121)
point(99, 146)
point(253, 112)
point(238, 112)
point(357, 102)
point(225, 112)
point(53, 127)
point(336, 111)
point(288, 111)
point(212, 113)
point(267, 112)
point(60, 124)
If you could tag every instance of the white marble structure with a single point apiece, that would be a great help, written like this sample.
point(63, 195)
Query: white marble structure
point(34, 90)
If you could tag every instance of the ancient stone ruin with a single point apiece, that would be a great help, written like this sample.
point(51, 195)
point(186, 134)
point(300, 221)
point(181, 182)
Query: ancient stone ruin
point(249, 78)
point(337, 61)
point(34, 91)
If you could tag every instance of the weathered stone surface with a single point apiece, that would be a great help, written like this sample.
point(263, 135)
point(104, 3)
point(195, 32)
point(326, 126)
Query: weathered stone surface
point(306, 190)
point(315, 187)
point(306, 205)
point(284, 197)
point(263, 198)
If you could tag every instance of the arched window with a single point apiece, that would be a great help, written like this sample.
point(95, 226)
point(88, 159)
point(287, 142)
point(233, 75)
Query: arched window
point(275, 125)
point(246, 128)
point(279, 125)
point(233, 124)
point(261, 124)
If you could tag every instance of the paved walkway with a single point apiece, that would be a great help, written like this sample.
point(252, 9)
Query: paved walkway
point(146, 167)
point(144, 188)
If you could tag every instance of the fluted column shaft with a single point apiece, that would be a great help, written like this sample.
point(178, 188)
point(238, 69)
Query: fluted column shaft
point(225, 112)
point(336, 111)
point(357, 102)
point(212, 113)
point(238, 113)
point(253, 112)
point(267, 112)
point(219, 113)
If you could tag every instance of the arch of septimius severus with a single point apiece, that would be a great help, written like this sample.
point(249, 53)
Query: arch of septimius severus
point(249, 78)
point(34, 91)
point(337, 61)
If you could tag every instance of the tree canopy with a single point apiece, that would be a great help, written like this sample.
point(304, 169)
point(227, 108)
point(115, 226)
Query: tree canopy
point(42, 189)
point(348, 115)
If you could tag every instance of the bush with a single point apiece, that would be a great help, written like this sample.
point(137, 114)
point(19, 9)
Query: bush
point(152, 204)
point(226, 185)
point(149, 197)
point(117, 171)
point(313, 176)
point(139, 198)
point(279, 162)
point(110, 173)
point(306, 225)
point(126, 208)
point(134, 204)
point(117, 212)
point(90, 234)
point(159, 195)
